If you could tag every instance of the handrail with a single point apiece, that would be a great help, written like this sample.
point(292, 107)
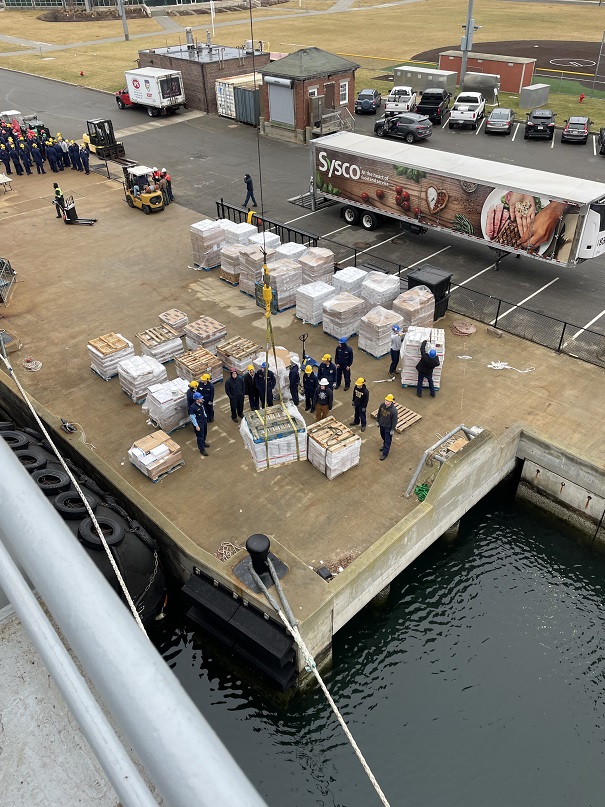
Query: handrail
point(470, 433)
point(179, 750)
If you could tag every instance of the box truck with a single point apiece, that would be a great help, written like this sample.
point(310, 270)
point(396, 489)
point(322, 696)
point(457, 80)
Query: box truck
point(159, 91)
point(511, 209)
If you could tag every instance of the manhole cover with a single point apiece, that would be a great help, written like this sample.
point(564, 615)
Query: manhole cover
point(362, 244)
point(400, 241)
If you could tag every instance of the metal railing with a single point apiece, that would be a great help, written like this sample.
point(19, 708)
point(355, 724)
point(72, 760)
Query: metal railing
point(264, 224)
point(179, 751)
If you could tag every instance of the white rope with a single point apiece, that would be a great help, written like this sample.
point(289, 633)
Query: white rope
point(503, 365)
point(83, 497)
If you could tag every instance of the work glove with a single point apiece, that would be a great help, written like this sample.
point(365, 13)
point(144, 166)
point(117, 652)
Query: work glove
point(391, 433)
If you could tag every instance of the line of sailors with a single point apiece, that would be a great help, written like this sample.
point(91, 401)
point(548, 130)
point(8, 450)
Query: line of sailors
point(21, 151)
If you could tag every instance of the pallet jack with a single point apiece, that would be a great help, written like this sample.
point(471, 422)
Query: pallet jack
point(70, 215)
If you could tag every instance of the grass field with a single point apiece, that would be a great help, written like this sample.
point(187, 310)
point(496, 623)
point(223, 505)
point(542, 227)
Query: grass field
point(26, 25)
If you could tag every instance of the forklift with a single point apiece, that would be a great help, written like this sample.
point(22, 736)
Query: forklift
point(100, 140)
point(136, 178)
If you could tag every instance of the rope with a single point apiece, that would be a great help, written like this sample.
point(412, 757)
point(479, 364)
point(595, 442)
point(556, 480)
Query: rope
point(290, 624)
point(503, 365)
point(119, 577)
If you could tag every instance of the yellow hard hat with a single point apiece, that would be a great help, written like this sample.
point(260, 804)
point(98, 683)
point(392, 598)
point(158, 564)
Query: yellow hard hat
point(193, 384)
point(250, 367)
point(360, 381)
point(206, 377)
point(327, 357)
point(59, 134)
point(389, 397)
point(308, 369)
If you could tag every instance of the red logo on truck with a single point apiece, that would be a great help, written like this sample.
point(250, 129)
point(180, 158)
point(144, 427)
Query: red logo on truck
point(136, 83)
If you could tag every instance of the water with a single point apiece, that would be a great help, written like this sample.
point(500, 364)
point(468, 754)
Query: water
point(480, 682)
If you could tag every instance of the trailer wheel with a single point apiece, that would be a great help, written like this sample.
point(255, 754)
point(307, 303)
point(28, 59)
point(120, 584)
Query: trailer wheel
point(350, 215)
point(120, 103)
point(129, 201)
point(146, 209)
point(369, 221)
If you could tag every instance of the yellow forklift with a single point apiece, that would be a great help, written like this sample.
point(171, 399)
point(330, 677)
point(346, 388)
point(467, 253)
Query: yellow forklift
point(136, 179)
point(101, 140)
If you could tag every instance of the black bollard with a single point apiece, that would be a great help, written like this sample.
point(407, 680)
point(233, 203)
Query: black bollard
point(258, 549)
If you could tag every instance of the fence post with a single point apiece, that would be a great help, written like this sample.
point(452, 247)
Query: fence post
point(354, 256)
point(560, 346)
point(497, 314)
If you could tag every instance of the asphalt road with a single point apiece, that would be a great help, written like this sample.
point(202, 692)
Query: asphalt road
point(207, 157)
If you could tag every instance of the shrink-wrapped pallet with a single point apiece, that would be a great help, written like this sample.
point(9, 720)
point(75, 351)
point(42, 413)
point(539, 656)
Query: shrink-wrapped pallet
point(310, 299)
point(156, 455)
point(379, 288)
point(280, 370)
point(230, 263)
point(192, 365)
point(375, 331)
point(410, 354)
point(290, 250)
point(269, 437)
point(138, 373)
point(204, 332)
point(106, 352)
point(349, 279)
point(317, 264)
point(342, 314)
point(176, 319)
point(266, 240)
point(240, 233)
point(206, 240)
point(161, 342)
point(237, 352)
point(285, 277)
point(166, 404)
point(332, 447)
point(416, 306)
point(252, 259)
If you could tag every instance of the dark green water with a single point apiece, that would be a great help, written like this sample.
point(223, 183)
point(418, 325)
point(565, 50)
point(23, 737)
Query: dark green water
point(479, 683)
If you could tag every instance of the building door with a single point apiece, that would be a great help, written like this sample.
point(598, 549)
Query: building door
point(329, 95)
point(281, 104)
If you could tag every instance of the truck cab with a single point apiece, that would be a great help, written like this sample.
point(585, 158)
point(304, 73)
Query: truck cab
point(140, 189)
point(123, 98)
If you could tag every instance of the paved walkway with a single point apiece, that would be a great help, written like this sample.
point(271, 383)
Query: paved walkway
point(168, 23)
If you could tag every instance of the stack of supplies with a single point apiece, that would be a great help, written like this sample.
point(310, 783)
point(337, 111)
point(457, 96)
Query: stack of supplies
point(204, 332)
point(310, 299)
point(280, 370)
point(317, 264)
point(240, 234)
point(280, 443)
point(375, 331)
point(237, 352)
point(285, 278)
point(161, 342)
point(290, 250)
point(138, 373)
point(166, 404)
point(332, 447)
point(230, 263)
point(192, 366)
point(252, 260)
point(206, 240)
point(416, 306)
point(266, 240)
point(349, 279)
point(176, 319)
point(156, 455)
point(380, 289)
point(410, 354)
point(106, 352)
point(342, 314)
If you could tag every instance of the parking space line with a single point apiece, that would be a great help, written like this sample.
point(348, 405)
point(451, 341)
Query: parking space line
point(594, 145)
point(374, 246)
point(312, 213)
point(422, 260)
point(468, 279)
point(506, 313)
point(340, 229)
point(445, 122)
point(552, 142)
point(515, 132)
point(479, 127)
point(586, 327)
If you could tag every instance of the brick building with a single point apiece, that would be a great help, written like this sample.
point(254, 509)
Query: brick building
point(201, 65)
point(289, 83)
point(514, 71)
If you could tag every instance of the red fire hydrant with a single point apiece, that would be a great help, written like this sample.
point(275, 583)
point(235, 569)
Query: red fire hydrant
point(582, 97)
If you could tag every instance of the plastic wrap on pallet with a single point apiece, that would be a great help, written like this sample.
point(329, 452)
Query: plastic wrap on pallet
point(332, 447)
point(176, 319)
point(349, 279)
point(166, 404)
point(410, 354)
point(252, 259)
point(375, 331)
point(155, 455)
point(206, 240)
point(310, 299)
point(266, 240)
point(342, 314)
point(138, 373)
point(379, 288)
point(285, 278)
point(416, 306)
point(282, 445)
point(317, 264)
point(106, 365)
point(290, 250)
point(166, 351)
point(240, 234)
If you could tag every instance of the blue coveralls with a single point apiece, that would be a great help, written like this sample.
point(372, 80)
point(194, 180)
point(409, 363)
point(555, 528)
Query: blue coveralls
point(25, 159)
point(197, 416)
point(59, 153)
point(85, 157)
point(259, 380)
point(6, 159)
point(310, 382)
point(327, 370)
point(38, 159)
point(206, 390)
point(16, 161)
point(51, 156)
point(294, 379)
point(344, 359)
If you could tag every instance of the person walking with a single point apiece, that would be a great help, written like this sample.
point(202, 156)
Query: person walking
point(85, 159)
point(323, 398)
point(191, 390)
point(38, 159)
point(59, 200)
point(387, 420)
point(260, 384)
point(395, 349)
point(343, 359)
point(234, 387)
point(206, 389)
point(361, 396)
point(428, 361)
point(310, 383)
point(294, 380)
point(197, 416)
point(327, 369)
point(249, 191)
point(250, 388)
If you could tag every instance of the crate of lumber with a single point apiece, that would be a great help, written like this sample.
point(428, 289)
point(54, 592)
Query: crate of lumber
point(332, 447)
point(405, 417)
point(237, 352)
point(176, 319)
point(156, 455)
point(204, 332)
point(106, 352)
point(192, 365)
point(162, 342)
point(273, 438)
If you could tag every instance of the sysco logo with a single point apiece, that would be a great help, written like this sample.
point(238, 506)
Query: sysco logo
point(337, 168)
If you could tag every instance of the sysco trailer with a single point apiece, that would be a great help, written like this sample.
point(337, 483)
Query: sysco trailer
point(550, 217)
point(160, 91)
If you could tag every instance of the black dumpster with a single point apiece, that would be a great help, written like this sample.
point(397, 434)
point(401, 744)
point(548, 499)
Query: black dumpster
point(438, 281)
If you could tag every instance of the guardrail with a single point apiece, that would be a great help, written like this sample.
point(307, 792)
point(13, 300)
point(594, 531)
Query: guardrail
point(265, 224)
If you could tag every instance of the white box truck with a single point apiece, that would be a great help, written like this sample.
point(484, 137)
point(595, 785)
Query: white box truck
point(160, 91)
point(550, 217)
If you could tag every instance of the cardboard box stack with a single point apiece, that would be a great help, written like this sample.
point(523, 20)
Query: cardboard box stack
point(290, 250)
point(252, 260)
point(230, 263)
point(317, 264)
point(191, 366)
point(166, 404)
point(161, 342)
point(332, 447)
point(240, 234)
point(155, 455)
point(204, 332)
point(138, 373)
point(375, 331)
point(206, 240)
point(410, 354)
point(237, 352)
point(176, 319)
point(285, 278)
point(106, 352)
point(379, 288)
point(283, 445)
point(310, 299)
point(266, 240)
point(349, 279)
point(416, 306)
point(342, 314)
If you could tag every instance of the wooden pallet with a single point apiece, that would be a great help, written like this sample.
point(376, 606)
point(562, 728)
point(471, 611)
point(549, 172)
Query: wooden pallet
point(367, 352)
point(277, 422)
point(405, 418)
point(236, 348)
point(193, 364)
point(164, 473)
point(205, 329)
point(332, 435)
point(108, 344)
point(152, 337)
point(172, 316)
point(229, 277)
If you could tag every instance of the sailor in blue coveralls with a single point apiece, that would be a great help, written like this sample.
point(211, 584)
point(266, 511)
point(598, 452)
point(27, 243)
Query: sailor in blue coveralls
point(197, 416)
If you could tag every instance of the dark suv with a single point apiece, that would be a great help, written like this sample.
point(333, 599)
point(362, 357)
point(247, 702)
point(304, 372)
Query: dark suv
point(368, 101)
point(576, 130)
point(409, 126)
point(434, 103)
point(540, 123)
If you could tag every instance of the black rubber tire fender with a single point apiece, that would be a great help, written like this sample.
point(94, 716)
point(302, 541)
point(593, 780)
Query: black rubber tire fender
point(6, 426)
point(142, 533)
point(70, 505)
point(112, 530)
point(52, 482)
point(15, 439)
point(32, 458)
point(35, 434)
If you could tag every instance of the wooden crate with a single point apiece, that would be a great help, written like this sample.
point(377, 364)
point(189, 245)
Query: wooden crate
point(152, 337)
point(109, 343)
point(237, 348)
point(278, 424)
point(405, 418)
point(193, 364)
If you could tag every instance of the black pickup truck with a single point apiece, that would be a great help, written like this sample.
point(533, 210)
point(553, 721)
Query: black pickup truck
point(434, 103)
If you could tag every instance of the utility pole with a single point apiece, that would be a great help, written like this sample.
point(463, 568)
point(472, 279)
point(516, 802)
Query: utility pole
point(467, 39)
point(122, 11)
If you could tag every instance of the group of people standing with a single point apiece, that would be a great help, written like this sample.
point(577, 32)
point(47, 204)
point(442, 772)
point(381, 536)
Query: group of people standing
point(21, 150)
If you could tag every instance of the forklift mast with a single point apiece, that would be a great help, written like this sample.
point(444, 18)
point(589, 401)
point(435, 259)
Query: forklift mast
point(102, 137)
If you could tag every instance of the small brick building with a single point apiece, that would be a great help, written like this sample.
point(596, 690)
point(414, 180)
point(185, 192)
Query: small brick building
point(201, 65)
point(514, 71)
point(288, 84)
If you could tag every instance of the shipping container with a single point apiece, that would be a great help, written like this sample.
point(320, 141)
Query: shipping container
point(225, 93)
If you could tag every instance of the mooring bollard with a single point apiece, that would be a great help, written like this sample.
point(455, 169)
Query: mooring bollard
point(258, 546)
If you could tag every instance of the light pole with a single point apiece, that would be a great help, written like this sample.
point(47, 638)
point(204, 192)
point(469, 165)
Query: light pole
point(122, 10)
point(467, 39)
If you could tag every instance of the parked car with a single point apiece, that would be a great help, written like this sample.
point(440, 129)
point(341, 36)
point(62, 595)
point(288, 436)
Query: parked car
point(468, 109)
point(435, 103)
point(400, 99)
point(368, 101)
point(576, 130)
point(410, 127)
point(500, 120)
point(540, 123)
point(601, 141)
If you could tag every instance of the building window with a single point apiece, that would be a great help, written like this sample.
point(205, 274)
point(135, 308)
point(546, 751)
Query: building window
point(344, 92)
point(313, 92)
